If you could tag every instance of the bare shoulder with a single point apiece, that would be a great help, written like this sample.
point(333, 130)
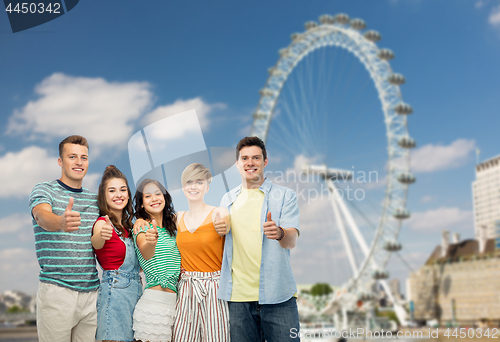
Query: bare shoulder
point(178, 216)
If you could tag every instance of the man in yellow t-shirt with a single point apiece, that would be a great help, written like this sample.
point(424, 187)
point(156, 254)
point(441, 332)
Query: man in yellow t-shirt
point(256, 277)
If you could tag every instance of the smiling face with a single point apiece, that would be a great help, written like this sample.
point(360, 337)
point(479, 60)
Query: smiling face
point(153, 199)
point(117, 195)
point(195, 189)
point(251, 165)
point(74, 163)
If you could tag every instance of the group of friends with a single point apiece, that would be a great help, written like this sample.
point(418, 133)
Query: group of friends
point(212, 273)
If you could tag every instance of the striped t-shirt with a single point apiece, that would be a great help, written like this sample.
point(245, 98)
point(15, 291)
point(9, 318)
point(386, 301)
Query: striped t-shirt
point(66, 259)
point(165, 266)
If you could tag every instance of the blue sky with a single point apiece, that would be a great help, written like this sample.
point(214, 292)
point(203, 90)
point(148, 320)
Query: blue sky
point(139, 62)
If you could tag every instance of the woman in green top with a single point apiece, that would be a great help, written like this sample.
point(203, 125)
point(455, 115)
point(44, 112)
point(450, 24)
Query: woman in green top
point(160, 260)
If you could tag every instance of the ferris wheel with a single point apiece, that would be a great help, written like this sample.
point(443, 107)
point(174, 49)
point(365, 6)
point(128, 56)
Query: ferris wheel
point(333, 104)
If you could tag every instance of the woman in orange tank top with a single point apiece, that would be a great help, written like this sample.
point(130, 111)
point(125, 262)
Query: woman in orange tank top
point(200, 316)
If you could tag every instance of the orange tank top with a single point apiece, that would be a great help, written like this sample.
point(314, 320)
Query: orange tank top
point(201, 251)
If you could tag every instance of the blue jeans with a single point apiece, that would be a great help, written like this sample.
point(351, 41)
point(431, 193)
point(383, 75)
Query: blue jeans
point(254, 322)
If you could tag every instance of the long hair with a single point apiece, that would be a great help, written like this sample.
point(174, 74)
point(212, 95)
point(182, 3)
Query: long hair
point(168, 211)
point(112, 172)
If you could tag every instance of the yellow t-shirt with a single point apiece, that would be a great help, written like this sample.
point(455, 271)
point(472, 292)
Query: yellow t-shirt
point(247, 245)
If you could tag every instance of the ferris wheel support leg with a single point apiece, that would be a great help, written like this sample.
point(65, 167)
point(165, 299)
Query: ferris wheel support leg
point(336, 320)
point(398, 308)
point(354, 227)
point(345, 323)
point(340, 224)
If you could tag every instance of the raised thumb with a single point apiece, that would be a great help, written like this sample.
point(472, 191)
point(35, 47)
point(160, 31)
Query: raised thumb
point(154, 223)
point(107, 220)
point(217, 216)
point(70, 204)
point(269, 216)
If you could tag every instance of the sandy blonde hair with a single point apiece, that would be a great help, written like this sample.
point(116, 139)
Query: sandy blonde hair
point(195, 171)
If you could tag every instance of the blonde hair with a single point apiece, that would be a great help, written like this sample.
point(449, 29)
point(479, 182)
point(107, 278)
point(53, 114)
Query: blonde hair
point(195, 171)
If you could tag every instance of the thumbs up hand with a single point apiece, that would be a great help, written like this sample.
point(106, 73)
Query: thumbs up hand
point(220, 224)
point(107, 230)
point(271, 231)
point(152, 234)
point(70, 220)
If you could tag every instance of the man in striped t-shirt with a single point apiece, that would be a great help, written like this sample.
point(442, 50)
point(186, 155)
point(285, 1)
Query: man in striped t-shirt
point(63, 215)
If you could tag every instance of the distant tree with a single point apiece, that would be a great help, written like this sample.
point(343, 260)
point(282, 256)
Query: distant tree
point(15, 309)
point(320, 289)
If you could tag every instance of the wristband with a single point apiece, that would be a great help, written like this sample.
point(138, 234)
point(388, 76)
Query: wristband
point(282, 234)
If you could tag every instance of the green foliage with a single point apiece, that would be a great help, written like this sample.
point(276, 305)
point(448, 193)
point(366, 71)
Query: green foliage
point(320, 289)
point(15, 309)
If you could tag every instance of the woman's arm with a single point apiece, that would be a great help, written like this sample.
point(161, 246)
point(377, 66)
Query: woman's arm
point(103, 231)
point(146, 242)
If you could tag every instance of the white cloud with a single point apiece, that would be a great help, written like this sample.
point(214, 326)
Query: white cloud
point(104, 112)
point(21, 171)
point(202, 108)
point(427, 199)
point(494, 18)
point(18, 224)
point(480, 4)
point(441, 219)
point(431, 158)
point(19, 269)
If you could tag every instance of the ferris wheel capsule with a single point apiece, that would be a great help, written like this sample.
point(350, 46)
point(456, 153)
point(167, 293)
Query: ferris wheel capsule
point(267, 92)
point(341, 18)
point(407, 142)
point(326, 19)
point(294, 36)
point(259, 115)
point(380, 274)
point(406, 178)
point(401, 214)
point(396, 79)
point(392, 246)
point(403, 109)
point(310, 25)
point(385, 54)
point(358, 24)
point(372, 36)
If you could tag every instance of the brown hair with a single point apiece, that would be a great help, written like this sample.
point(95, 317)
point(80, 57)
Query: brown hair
point(251, 141)
point(128, 213)
point(72, 139)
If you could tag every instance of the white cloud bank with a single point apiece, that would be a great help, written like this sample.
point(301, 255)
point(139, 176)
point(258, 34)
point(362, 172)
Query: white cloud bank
point(19, 269)
point(442, 219)
point(102, 111)
point(431, 158)
point(21, 171)
point(202, 110)
point(494, 18)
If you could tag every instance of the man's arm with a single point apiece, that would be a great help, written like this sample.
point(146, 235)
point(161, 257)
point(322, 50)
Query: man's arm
point(68, 222)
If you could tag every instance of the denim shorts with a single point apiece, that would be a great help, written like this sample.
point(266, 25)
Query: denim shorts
point(118, 295)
